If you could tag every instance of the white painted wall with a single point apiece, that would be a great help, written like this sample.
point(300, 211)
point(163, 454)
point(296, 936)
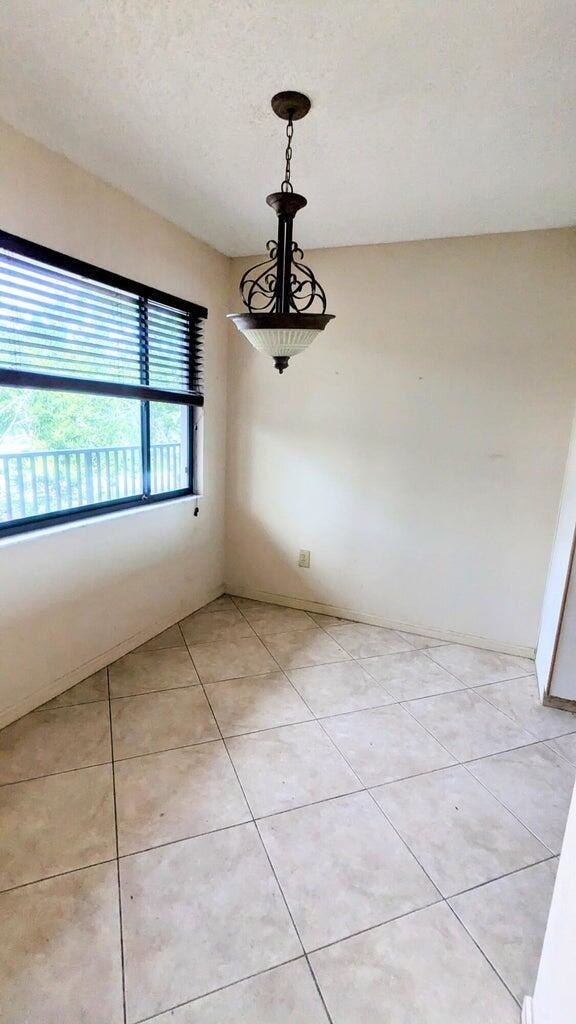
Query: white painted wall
point(418, 448)
point(554, 999)
point(74, 598)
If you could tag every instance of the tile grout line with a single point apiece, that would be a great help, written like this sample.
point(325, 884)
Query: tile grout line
point(509, 809)
point(267, 855)
point(220, 988)
point(120, 919)
point(464, 765)
point(331, 741)
point(272, 868)
point(483, 954)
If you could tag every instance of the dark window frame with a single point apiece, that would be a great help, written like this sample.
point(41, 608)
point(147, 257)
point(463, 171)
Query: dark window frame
point(193, 399)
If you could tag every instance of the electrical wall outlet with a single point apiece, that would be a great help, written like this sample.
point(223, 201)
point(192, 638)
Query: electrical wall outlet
point(304, 559)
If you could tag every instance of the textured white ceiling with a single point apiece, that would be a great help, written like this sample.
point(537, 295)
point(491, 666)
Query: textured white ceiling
point(430, 117)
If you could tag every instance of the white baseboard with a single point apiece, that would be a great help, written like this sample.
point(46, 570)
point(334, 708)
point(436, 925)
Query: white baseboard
point(527, 1011)
point(486, 643)
point(57, 686)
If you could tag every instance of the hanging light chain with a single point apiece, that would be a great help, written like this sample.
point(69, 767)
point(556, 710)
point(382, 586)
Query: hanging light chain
point(287, 184)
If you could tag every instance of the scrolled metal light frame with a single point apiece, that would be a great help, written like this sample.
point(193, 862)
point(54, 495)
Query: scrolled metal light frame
point(281, 291)
point(258, 290)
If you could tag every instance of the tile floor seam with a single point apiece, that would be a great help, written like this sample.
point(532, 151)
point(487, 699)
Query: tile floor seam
point(379, 924)
point(547, 743)
point(464, 765)
point(323, 730)
point(163, 689)
point(165, 750)
point(508, 750)
point(120, 921)
point(480, 950)
point(517, 721)
point(471, 686)
point(314, 628)
point(319, 990)
point(310, 968)
point(366, 789)
point(263, 845)
point(443, 745)
point(220, 988)
point(287, 905)
point(62, 707)
point(59, 874)
point(553, 853)
point(498, 878)
point(48, 775)
point(467, 760)
point(276, 814)
point(230, 758)
point(187, 839)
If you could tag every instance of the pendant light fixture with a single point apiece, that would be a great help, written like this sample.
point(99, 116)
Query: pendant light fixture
point(280, 291)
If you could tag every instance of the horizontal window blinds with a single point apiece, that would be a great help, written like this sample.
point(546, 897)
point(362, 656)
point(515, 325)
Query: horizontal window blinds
point(61, 328)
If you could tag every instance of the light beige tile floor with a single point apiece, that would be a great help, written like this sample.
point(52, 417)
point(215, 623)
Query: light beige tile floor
point(304, 837)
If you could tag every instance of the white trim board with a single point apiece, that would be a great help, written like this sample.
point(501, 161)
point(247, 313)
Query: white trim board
point(450, 637)
point(76, 675)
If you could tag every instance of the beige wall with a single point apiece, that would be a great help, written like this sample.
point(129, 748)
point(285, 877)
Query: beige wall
point(73, 598)
point(418, 448)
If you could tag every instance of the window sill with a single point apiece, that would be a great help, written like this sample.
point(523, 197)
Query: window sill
point(88, 521)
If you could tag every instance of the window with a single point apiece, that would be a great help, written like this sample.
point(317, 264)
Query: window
point(100, 379)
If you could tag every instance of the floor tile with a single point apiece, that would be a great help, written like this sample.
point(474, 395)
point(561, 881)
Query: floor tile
point(198, 915)
point(176, 794)
point(157, 670)
point(467, 725)
point(159, 721)
point(284, 995)
point(274, 618)
point(95, 687)
point(171, 637)
point(419, 642)
point(56, 824)
point(565, 746)
point(342, 868)
point(421, 969)
point(206, 627)
point(288, 767)
point(411, 674)
point(520, 700)
point(337, 688)
point(232, 659)
point(385, 744)
point(457, 831)
point(55, 740)
point(475, 666)
point(256, 702)
point(363, 641)
point(305, 647)
point(507, 918)
point(535, 784)
point(60, 956)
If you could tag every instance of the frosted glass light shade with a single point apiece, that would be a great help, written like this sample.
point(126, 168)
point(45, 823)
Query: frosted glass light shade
point(280, 341)
point(280, 335)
